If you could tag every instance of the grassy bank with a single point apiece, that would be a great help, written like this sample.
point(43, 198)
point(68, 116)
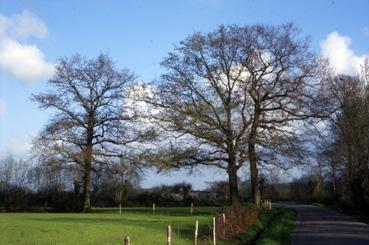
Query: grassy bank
point(272, 228)
point(279, 230)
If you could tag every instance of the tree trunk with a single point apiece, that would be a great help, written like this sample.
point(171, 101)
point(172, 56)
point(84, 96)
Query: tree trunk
point(334, 180)
point(88, 163)
point(252, 158)
point(87, 189)
point(233, 185)
point(254, 175)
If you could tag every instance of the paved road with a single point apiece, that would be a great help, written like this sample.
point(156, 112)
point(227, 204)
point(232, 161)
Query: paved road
point(316, 225)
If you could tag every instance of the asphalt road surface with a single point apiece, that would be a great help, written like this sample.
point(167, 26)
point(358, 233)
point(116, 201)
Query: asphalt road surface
point(315, 225)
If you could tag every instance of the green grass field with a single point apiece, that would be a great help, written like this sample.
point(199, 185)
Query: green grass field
point(104, 226)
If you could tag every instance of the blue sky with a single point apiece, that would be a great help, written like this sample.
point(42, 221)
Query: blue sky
point(137, 35)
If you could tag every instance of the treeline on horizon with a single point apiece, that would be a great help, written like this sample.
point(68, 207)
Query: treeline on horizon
point(28, 187)
point(252, 95)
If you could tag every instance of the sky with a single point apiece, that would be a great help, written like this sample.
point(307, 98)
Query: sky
point(138, 35)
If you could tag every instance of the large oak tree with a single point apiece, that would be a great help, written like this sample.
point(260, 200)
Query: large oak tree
point(91, 124)
point(235, 95)
point(283, 80)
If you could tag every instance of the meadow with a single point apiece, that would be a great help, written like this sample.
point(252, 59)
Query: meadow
point(105, 226)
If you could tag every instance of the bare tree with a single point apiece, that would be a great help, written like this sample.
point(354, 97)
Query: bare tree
point(91, 121)
point(13, 173)
point(283, 81)
point(234, 95)
point(201, 105)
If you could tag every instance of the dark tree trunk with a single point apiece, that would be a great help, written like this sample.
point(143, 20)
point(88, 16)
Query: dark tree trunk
point(87, 189)
point(233, 185)
point(254, 175)
point(334, 181)
point(253, 161)
point(88, 163)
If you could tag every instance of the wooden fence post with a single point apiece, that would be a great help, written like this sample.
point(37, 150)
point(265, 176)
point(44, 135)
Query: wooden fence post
point(126, 240)
point(118, 197)
point(169, 235)
point(224, 225)
point(191, 210)
point(214, 232)
point(196, 232)
point(153, 208)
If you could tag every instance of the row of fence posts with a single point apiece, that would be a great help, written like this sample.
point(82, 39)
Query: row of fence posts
point(267, 204)
point(153, 208)
point(264, 204)
point(126, 239)
point(191, 208)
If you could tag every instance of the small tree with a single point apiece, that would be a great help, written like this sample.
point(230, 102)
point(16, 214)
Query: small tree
point(91, 121)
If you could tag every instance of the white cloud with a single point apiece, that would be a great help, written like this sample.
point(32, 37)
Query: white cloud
point(336, 48)
point(22, 25)
point(25, 62)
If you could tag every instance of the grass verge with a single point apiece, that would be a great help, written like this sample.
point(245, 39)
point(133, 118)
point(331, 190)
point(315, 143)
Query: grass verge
point(279, 230)
point(273, 228)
